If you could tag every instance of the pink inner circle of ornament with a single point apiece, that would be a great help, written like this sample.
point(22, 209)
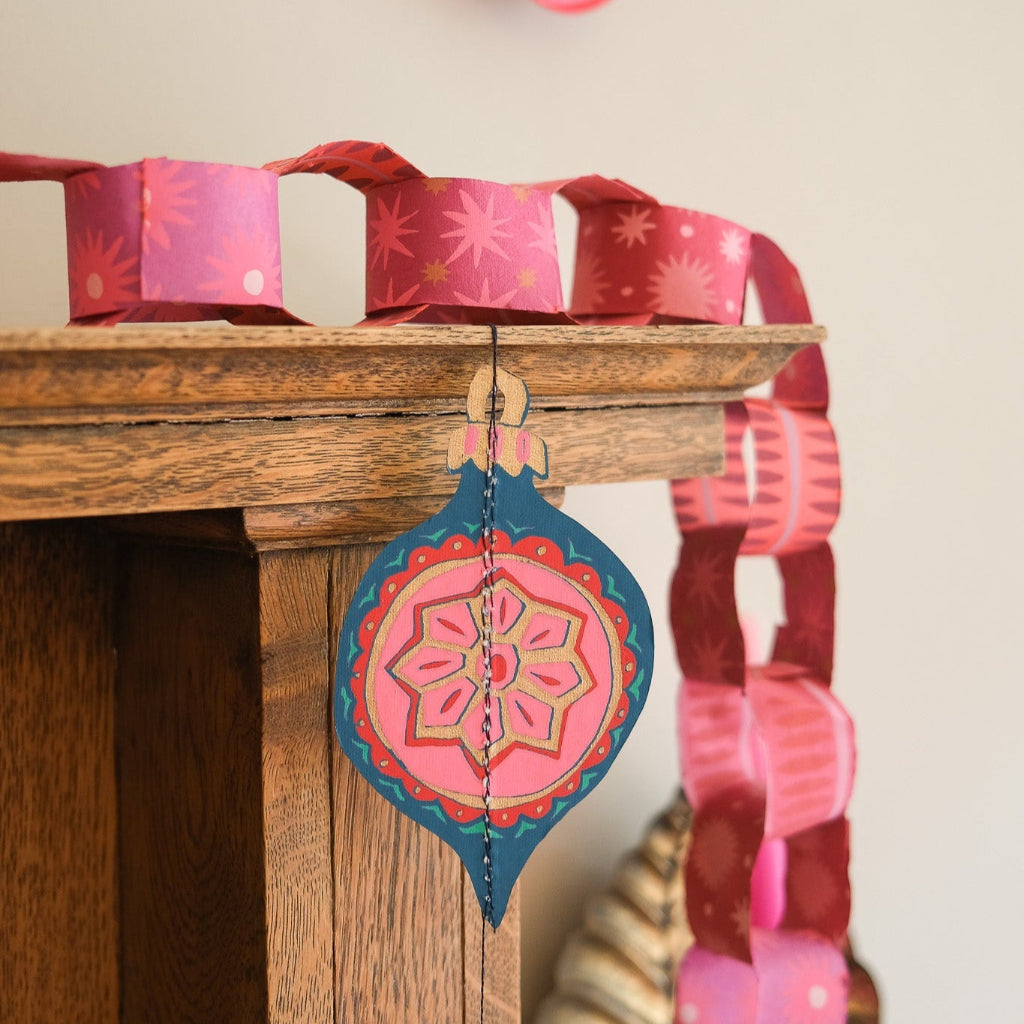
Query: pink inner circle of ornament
point(556, 679)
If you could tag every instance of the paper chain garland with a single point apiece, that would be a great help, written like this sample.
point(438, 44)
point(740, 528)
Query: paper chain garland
point(767, 752)
point(491, 666)
point(167, 240)
point(433, 639)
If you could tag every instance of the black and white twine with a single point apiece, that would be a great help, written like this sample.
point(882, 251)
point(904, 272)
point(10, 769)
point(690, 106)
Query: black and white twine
point(487, 593)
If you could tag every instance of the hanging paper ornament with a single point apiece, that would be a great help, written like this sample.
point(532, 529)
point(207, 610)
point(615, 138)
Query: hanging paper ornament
point(495, 658)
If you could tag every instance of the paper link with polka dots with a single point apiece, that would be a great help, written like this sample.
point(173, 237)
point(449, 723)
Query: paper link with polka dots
point(166, 240)
point(767, 752)
point(570, 657)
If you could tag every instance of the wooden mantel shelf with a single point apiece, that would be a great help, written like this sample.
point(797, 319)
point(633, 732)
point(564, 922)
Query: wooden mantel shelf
point(153, 419)
point(184, 517)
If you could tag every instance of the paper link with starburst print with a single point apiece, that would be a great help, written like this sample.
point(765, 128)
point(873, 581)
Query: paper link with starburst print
point(166, 240)
point(570, 657)
point(639, 261)
point(767, 752)
point(450, 250)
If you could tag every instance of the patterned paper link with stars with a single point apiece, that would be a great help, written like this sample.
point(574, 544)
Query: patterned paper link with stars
point(570, 657)
point(767, 752)
point(446, 250)
point(166, 240)
point(641, 262)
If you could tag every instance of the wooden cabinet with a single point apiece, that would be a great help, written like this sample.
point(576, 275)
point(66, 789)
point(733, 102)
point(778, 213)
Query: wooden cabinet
point(184, 514)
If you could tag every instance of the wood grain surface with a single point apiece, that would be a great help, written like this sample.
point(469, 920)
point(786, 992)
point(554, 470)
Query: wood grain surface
point(58, 824)
point(193, 934)
point(145, 374)
point(501, 960)
point(47, 472)
point(298, 736)
point(403, 933)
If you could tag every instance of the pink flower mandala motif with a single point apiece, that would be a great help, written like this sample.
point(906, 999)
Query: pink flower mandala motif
point(164, 197)
point(100, 281)
point(537, 672)
point(590, 283)
point(683, 286)
point(249, 270)
point(479, 229)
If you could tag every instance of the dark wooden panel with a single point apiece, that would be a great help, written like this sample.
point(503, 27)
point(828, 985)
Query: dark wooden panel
point(58, 822)
point(189, 729)
point(297, 735)
point(398, 889)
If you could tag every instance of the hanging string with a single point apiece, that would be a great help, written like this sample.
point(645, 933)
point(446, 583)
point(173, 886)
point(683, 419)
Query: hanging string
point(487, 590)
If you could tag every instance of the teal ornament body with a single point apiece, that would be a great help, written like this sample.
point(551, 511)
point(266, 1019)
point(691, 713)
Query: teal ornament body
point(494, 658)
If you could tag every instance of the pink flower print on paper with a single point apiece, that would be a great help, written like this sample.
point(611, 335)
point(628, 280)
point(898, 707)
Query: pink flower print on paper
point(164, 197)
point(82, 184)
point(537, 673)
point(804, 979)
point(634, 223)
point(390, 299)
point(249, 270)
point(243, 180)
point(734, 246)
point(683, 286)
point(544, 230)
point(479, 229)
point(389, 229)
point(710, 579)
point(485, 299)
point(590, 284)
point(100, 281)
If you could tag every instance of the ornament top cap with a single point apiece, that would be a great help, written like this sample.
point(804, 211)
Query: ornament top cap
point(505, 444)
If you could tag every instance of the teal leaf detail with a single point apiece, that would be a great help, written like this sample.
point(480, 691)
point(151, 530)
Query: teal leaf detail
point(517, 529)
point(368, 598)
point(634, 687)
point(561, 806)
point(575, 556)
point(612, 591)
point(434, 537)
point(397, 789)
point(399, 560)
point(353, 647)
point(587, 779)
point(524, 827)
point(476, 828)
point(346, 698)
point(631, 639)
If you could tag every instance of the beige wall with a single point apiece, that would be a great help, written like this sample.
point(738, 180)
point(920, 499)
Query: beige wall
point(880, 143)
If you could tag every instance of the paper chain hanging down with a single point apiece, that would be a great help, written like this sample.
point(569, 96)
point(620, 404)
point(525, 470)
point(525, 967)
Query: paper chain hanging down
point(490, 668)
